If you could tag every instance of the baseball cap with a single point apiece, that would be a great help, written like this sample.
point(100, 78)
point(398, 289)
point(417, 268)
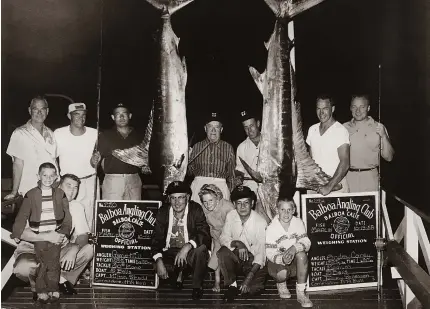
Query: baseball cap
point(178, 187)
point(245, 115)
point(242, 192)
point(76, 107)
point(120, 105)
point(212, 116)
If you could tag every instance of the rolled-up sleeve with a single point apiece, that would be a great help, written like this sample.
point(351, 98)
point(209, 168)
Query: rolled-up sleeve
point(260, 245)
point(226, 235)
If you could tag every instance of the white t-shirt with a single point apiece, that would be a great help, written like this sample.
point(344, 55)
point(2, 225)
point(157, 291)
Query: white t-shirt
point(324, 148)
point(75, 151)
point(249, 153)
point(79, 221)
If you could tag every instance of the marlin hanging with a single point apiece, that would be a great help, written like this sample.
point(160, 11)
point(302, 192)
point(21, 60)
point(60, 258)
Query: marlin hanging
point(164, 149)
point(284, 163)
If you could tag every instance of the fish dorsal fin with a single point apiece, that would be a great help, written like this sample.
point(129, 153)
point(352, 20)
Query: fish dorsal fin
point(290, 8)
point(272, 37)
point(172, 5)
point(258, 78)
point(138, 155)
point(185, 73)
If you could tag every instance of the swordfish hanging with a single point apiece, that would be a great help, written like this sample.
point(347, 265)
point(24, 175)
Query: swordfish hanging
point(284, 163)
point(164, 149)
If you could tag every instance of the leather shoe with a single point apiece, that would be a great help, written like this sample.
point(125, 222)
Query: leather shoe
point(34, 294)
point(67, 288)
point(178, 285)
point(231, 293)
point(197, 293)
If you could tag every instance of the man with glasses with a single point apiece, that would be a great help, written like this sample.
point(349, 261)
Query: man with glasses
point(31, 145)
point(181, 239)
point(243, 243)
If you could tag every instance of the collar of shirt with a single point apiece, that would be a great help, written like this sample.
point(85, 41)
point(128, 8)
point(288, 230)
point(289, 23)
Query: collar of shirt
point(45, 132)
point(207, 141)
point(370, 122)
point(119, 133)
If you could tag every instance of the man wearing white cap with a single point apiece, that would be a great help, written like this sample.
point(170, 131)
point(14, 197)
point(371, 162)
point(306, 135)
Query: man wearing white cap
point(76, 144)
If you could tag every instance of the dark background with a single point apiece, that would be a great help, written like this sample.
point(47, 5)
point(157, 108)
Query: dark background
point(53, 47)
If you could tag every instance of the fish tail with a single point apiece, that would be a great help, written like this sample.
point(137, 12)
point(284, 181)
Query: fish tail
point(290, 8)
point(309, 173)
point(172, 6)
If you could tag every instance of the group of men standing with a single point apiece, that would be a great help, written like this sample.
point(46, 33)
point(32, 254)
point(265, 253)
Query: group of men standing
point(348, 153)
point(75, 151)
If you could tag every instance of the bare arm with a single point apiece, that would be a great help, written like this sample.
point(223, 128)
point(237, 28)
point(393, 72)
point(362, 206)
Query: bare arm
point(387, 150)
point(17, 168)
point(342, 167)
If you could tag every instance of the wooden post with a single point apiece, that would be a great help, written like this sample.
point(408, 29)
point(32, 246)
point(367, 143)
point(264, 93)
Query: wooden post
point(411, 247)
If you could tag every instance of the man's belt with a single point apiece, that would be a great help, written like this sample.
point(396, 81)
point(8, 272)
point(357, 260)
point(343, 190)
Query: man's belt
point(86, 177)
point(362, 169)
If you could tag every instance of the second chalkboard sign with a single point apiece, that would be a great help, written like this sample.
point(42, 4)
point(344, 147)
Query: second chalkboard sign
point(342, 230)
point(122, 254)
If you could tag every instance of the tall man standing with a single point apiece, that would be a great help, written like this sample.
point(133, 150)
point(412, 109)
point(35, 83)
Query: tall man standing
point(212, 160)
point(31, 145)
point(368, 139)
point(122, 180)
point(248, 151)
point(329, 145)
point(76, 144)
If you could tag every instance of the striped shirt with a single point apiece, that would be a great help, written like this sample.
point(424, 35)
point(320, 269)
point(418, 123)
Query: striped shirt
point(215, 160)
point(47, 217)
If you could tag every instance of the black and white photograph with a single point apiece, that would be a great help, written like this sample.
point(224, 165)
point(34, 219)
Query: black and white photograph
point(215, 154)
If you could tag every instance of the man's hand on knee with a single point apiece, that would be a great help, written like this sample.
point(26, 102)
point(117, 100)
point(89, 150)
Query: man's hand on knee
point(68, 259)
point(181, 257)
point(161, 269)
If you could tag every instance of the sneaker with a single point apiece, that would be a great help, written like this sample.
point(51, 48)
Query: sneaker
point(283, 290)
point(304, 300)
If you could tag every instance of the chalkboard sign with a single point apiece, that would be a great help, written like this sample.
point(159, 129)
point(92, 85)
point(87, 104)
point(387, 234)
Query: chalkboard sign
point(342, 230)
point(122, 254)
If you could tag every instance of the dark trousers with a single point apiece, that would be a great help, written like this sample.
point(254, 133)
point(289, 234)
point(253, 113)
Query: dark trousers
point(231, 266)
point(48, 272)
point(197, 261)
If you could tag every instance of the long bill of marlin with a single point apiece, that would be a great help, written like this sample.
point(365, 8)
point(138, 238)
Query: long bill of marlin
point(284, 163)
point(164, 149)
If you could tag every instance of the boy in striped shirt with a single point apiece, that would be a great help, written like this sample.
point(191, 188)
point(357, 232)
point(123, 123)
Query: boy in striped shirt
point(45, 209)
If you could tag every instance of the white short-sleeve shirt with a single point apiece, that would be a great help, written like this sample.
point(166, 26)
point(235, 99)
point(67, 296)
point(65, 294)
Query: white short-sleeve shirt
point(79, 221)
point(324, 147)
point(75, 152)
point(27, 144)
point(249, 153)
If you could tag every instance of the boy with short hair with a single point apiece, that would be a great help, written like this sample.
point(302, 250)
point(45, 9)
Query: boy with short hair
point(45, 209)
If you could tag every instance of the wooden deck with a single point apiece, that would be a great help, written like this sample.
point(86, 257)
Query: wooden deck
point(164, 297)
